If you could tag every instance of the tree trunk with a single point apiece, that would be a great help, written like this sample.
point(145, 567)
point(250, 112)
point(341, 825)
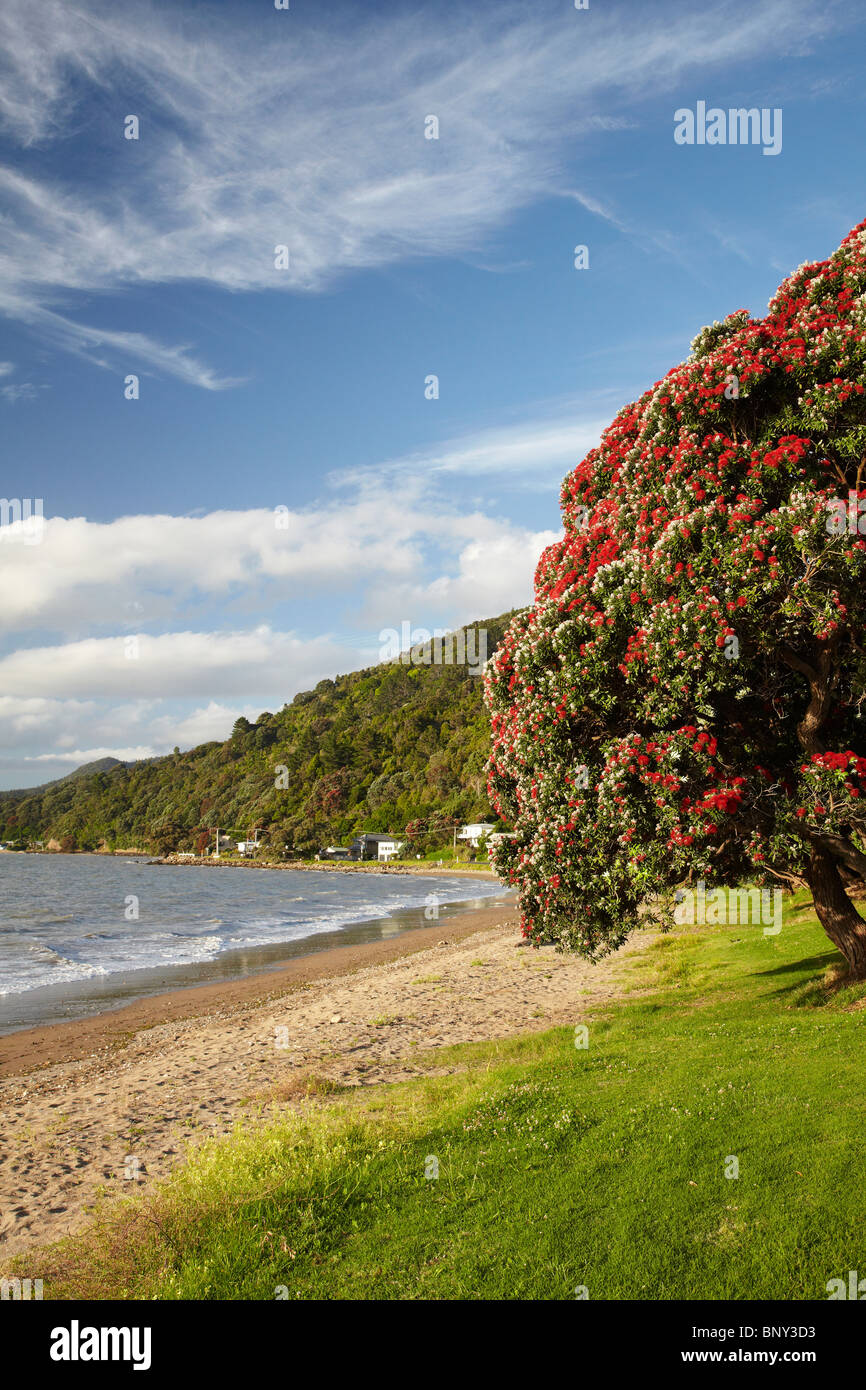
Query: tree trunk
point(836, 912)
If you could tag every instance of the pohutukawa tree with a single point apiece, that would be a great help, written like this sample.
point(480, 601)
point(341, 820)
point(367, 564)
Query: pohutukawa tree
point(686, 695)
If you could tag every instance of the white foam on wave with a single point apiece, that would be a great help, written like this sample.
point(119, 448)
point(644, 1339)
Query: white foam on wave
point(102, 953)
point(42, 966)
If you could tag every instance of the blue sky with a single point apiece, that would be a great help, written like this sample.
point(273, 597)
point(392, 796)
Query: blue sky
point(304, 387)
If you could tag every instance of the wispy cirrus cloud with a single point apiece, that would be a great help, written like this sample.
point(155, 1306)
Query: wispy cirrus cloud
point(19, 391)
point(14, 391)
point(104, 347)
point(530, 449)
point(261, 134)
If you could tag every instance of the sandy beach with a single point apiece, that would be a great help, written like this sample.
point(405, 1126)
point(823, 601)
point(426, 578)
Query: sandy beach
point(92, 1107)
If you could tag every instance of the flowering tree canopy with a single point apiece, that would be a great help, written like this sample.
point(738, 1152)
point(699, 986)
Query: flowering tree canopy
point(685, 696)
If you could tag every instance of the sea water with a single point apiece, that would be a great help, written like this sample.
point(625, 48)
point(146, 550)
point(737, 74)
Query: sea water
point(79, 933)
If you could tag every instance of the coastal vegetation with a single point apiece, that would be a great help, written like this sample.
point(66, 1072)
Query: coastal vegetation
point(704, 1143)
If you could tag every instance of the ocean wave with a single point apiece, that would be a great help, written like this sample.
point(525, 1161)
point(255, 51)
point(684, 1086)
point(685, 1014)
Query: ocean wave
point(177, 932)
point(51, 968)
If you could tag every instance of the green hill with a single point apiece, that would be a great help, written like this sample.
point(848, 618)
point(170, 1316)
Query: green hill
point(374, 750)
point(98, 765)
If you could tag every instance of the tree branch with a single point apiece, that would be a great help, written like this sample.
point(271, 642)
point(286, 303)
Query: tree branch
point(838, 846)
point(822, 682)
point(797, 663)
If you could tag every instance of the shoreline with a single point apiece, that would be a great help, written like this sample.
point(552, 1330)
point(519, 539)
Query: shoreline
point(105, 992)
point(30, 1050)
point(111, 1106)
point(340, 866)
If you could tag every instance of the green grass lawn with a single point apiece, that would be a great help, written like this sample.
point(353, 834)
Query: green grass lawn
point(559, 1168)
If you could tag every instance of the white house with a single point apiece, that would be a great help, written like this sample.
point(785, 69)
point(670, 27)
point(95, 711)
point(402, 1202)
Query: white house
point(474, 832)
point(389, 849)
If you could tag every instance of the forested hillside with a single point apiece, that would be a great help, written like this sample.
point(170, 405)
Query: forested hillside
point(375, 750)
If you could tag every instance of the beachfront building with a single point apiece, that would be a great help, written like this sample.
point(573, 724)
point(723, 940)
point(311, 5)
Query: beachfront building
point(370, 846)
point(334, 852)
point(471, 834)
point(389, 849)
